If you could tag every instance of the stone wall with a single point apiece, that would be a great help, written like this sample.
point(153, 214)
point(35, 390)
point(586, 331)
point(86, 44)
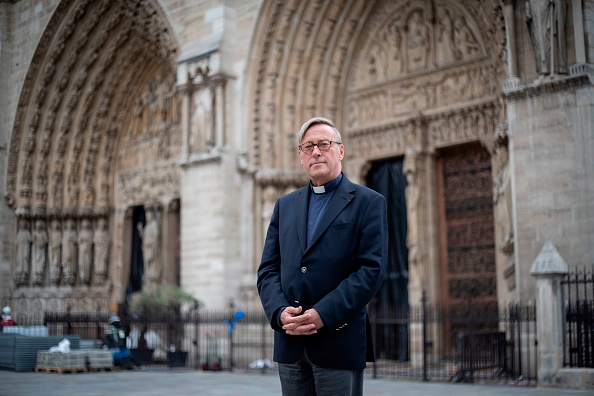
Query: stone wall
point(551, 150)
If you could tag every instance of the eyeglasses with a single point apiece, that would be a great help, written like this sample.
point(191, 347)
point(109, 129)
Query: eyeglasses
point(324, 145)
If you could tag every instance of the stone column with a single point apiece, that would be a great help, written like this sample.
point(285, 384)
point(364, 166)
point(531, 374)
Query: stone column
point(512, 81)
point(548, 269)
point(581, 65)
point(171, 243)
point(121, 255)
point(186, 104)
point(578, 31)
point(220, 113)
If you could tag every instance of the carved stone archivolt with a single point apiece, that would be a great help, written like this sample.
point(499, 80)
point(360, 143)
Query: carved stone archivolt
point(72, 101)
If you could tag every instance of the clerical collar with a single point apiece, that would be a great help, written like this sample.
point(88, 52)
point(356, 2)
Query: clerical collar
point(328, 187)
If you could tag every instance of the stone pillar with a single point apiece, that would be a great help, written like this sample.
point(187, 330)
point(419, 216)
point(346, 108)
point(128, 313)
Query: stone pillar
point(548, 269)
point(121, 256)
point(512, 80)
point(578, 31)
point(171, 243)
point(186, 104)
point(220, 113)
point(581, 65)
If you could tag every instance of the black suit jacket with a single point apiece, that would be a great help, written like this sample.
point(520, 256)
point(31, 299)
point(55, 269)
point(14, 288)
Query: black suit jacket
point(338, 274)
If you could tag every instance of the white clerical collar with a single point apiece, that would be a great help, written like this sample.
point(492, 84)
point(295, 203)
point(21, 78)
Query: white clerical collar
point(328, 187)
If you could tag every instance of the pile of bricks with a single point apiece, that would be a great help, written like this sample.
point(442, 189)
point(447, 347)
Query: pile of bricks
point(99, 360)
point(75, 361)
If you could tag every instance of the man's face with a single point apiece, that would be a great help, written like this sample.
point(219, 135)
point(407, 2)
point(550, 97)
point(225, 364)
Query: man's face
point(321, 166)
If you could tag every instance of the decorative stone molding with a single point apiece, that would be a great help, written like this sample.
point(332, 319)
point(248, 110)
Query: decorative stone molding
point(548, 85)
point(281, 178)
point(140, 186)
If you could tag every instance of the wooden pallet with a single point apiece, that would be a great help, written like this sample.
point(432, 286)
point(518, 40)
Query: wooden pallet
point(95, 369)
point(59, 370)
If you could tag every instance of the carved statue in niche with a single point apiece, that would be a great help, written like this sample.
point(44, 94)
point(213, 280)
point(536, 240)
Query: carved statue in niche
point(201, 135)
point(464, 40)
point(445, 50)
point(23, 252)
point(85, 250)
point(138, 114)
point(101, 241)
point(150, 235)
point(418, 41)
point(502, 196)
point(384, 57)
point(156, 101)
point(413, 172)
point(394, 40)
point(40, 241)
point(55, 256)
point(69, 250)
point(546, 19)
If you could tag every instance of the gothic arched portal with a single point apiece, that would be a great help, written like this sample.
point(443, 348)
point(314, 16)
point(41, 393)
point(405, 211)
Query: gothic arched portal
point(400, 79)
point(99, 68)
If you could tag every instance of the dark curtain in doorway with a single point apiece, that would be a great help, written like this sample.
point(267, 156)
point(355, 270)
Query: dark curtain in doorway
point(137, 264)
point(387, 178)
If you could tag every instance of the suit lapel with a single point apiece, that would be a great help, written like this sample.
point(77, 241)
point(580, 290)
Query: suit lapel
point(341, 198)
point(300, 214)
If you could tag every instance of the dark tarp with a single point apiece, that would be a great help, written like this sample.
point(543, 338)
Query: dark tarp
point(387, 178)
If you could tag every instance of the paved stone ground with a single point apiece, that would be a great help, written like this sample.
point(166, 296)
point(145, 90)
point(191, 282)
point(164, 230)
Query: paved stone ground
point(180, 382)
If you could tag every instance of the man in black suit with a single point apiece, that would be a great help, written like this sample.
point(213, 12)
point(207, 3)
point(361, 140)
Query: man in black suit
point(324, 258)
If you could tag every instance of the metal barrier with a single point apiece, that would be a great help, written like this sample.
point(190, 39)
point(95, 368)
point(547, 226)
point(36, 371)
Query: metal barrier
point(480, 351)
point(578, 322)
point(416, 343)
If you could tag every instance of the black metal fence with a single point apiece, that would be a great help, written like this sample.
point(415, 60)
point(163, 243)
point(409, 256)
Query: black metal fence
point(578, 324)
point(457, 344)
point(208, 340)
point(423, 342)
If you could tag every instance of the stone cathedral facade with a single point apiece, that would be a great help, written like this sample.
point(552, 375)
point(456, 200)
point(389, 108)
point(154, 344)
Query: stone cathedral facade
point(166, 130)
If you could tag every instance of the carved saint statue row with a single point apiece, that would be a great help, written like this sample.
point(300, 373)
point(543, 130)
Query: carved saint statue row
point(61, 252)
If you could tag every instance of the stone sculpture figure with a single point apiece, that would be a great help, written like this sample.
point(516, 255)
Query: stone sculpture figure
point(201, 137)
point(502, 198)
point(55, 251)
point(23, 252)
point(418, 42)
point(101, 241)
point(40, 241)
point(412, 193)
point(445, 51)
point(150, 247)
point(464, 39)
point(85, 250)
point(69, 250)
point(546, 24)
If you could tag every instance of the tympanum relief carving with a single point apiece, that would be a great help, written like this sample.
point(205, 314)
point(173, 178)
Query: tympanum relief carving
point(427, 61)
point(146, 168)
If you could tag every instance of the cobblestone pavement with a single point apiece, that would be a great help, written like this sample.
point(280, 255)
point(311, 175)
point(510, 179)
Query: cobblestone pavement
point(180, 382)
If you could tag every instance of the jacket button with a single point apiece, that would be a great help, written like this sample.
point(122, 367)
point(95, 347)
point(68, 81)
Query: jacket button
point(303, 270)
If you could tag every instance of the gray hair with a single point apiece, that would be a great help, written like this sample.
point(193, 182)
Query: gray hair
point(314, 121)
